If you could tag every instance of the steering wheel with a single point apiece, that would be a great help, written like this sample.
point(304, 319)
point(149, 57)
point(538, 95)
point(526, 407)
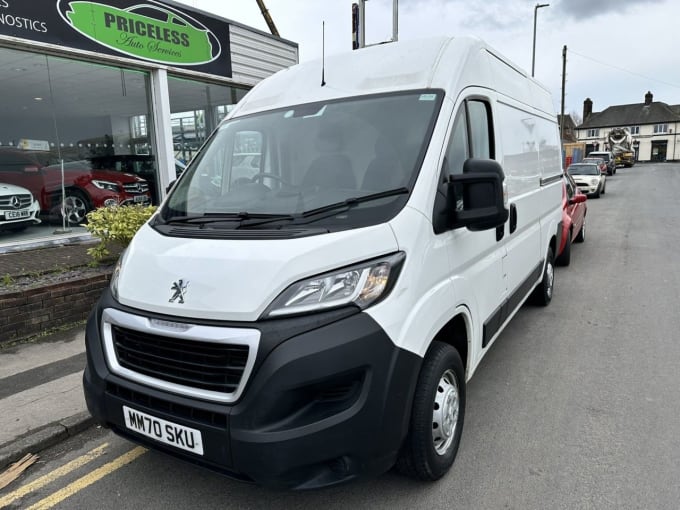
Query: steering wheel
point(267, 175)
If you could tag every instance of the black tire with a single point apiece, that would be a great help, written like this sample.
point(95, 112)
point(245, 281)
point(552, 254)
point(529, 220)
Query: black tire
point(76, 207)
point(581, 236)
point(542, 294)
point(565, 257)
point(604, 188)
point(437, 415)
point(597, 193)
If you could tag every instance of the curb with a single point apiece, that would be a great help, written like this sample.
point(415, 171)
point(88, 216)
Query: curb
point(45, 437)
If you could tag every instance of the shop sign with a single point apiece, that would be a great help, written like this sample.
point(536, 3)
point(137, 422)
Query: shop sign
point(154, 31)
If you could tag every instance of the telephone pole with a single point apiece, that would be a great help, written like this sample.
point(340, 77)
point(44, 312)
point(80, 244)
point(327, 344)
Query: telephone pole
point(564, 79)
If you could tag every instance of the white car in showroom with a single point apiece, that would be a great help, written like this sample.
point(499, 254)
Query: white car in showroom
point(18, 209)
point(589, 179)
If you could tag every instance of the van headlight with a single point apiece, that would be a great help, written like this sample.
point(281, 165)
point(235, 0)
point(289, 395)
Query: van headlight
point(115, 276)
point(361, 284)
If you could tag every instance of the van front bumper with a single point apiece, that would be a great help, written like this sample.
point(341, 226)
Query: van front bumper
point(327, 401)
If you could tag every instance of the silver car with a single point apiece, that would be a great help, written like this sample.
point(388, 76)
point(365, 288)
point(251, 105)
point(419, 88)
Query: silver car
point(589, 179)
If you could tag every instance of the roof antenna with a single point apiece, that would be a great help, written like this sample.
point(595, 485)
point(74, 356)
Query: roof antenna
point(323, 52)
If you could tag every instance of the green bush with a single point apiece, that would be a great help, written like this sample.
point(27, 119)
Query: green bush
point(115, 225)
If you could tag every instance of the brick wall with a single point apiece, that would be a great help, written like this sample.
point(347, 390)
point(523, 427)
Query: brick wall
point(30, 312)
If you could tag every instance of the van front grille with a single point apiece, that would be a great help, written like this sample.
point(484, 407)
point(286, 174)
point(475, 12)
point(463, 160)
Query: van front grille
point(204, 365)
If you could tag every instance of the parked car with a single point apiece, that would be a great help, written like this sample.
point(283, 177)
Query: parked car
point(85, 188)
point(608, 157)
point(588, 178)
point(142, 165)
point(18, 208)
point(574, 209)
point(600, 162)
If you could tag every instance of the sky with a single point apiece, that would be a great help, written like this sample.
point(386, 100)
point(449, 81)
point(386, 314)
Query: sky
point(617, 50)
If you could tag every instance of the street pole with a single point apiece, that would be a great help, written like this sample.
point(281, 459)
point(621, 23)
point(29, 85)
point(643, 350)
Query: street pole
point(533, 51)
point(564, 79)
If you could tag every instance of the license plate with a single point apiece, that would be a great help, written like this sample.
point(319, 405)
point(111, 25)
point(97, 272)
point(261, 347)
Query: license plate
point(140, 198)
point(164, 431)
point(13, 215)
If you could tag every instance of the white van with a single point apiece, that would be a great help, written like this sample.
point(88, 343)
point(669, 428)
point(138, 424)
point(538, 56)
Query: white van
point(317, 320)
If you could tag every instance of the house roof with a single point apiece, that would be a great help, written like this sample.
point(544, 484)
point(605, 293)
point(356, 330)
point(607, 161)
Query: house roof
point(632, 115)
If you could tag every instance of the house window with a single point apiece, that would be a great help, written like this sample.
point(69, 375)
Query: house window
point(593, 133)
point(660, 128)
point(634, 130)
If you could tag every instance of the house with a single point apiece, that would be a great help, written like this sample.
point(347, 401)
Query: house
point(567, 128)
point(653, 126)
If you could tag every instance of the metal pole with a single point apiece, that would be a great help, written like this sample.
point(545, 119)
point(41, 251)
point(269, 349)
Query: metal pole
point(362, 23)
point(395, 20)
point(533, 51)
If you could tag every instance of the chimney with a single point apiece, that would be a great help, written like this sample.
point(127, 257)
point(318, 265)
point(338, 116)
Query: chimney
point(587, 108)
point(648, 98)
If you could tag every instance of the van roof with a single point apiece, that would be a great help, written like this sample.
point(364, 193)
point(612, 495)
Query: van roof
point(449, 63)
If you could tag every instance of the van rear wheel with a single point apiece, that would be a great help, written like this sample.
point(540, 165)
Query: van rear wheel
point(542, 294)
point(437, 415)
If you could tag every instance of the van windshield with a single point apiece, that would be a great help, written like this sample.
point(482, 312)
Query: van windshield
point(343, 163)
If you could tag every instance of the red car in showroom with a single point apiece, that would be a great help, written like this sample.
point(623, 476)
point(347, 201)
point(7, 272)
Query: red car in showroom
point(85, 188)
point(574, 209)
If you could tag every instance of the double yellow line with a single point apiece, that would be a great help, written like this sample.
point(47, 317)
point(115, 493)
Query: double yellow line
point(74, 487)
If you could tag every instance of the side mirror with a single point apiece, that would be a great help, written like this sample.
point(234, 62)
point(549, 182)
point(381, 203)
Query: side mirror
point(475, 198)
point(577, 199)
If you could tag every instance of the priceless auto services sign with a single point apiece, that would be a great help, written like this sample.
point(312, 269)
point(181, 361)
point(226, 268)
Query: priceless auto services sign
point(154, 31)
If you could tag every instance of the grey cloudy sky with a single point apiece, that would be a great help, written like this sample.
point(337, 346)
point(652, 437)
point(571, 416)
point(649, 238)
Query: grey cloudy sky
point(617, 50)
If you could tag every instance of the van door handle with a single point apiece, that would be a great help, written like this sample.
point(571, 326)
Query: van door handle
point(513, 218)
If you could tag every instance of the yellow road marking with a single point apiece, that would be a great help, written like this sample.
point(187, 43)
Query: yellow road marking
point(88, 480)
point(53, 475)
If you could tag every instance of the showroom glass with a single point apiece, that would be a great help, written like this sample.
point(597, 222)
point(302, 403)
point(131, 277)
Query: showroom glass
point(196, 109)
point(303, 158)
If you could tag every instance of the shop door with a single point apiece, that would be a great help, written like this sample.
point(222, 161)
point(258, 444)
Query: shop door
point(659, 150)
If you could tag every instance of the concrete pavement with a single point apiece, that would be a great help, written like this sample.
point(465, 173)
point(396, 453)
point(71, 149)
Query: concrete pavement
point(41, 396)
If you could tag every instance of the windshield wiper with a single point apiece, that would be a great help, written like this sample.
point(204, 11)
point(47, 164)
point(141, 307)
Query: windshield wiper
point(353, 201)
point(205, 218)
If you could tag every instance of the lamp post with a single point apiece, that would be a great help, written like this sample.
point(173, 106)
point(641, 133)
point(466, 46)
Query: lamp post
point(533, 52)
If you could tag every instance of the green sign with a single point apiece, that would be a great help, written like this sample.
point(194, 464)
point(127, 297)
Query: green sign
point(145, 31)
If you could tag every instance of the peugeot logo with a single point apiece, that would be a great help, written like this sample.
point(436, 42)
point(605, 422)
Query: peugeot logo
point(179, 288)
point(15, 202)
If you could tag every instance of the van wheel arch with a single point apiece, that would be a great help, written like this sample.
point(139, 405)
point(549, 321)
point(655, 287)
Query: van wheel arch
point(416, 459)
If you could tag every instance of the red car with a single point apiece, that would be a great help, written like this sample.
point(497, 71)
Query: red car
point(574, 210)
point(601, 164)
point(85, 188)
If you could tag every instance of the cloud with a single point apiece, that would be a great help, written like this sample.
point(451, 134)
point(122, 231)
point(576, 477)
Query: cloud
point(588, 9)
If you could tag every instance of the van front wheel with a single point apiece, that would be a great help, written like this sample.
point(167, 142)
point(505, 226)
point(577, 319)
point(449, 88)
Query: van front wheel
point(436, 417)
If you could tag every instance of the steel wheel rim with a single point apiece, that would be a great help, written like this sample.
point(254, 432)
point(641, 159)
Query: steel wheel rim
point(446, 407)
point(550, 276)
point(74, 209)
point(583, 230)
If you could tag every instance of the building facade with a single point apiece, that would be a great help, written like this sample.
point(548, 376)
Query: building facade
point(115, 86)
point(653, 126)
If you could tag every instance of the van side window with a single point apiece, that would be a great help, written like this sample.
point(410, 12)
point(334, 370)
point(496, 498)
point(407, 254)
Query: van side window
point(471, 136)
point(458, 150)
point(481, 136)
